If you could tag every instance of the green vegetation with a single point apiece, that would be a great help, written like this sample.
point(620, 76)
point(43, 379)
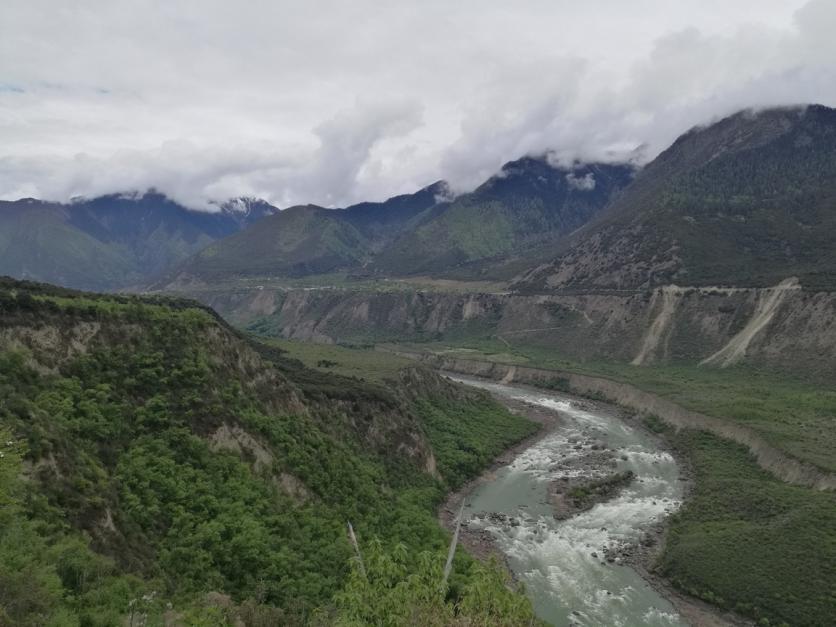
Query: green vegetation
point(655, 424)
point(792, 413)
point(73, 256)
point(745, 201)
point(468, 436)
point(745, 540)
point(477, 236)
point(161, 460)
point(48, 571)
point(522, 212)
point(295, 242)
point(466, 432)
point(366, 363)
point(107, 242)
point(748, 542)
point(584, 495)
point(387, 591)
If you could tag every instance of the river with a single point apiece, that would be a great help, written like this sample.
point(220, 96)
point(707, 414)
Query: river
point(563, 563)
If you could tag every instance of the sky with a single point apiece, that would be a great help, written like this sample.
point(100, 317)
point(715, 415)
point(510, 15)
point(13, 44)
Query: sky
point(334, 102)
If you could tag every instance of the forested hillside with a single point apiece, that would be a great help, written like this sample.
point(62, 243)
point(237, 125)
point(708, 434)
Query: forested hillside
point(521, 212)
point(156, 463)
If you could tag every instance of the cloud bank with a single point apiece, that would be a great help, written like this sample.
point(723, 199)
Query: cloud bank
point(332, 102)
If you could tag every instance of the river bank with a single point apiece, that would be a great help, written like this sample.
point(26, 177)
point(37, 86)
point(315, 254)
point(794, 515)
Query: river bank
point(481, 544)
point(774, 460)
point(638, 552)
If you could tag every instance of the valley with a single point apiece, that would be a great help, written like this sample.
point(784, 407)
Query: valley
point(190, 448)
point(735, 541)
point(418, 314)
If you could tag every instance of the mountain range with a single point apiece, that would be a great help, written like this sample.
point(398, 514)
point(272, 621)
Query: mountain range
point(111, 242)
point(528, 205)
point(161, 466)
point(748, 200)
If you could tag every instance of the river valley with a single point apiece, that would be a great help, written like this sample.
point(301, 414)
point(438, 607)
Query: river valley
point(576, 569)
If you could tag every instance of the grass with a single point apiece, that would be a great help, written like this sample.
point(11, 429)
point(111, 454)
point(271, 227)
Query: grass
point(466, 437)
point(749, 542)
point(744, 541)
point(364, 363)
point(465, 434)
point(793, 414)
point(348, 282)
point(583, 495)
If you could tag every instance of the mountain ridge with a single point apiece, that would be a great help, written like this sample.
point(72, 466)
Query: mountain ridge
point(111, 242)
point(529, 204)
point(748, 200)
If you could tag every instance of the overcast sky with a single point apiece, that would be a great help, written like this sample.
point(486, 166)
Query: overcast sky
point(333, 102)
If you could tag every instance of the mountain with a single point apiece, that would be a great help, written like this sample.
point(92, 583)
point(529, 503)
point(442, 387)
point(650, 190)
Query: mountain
point(298, 241)
point(530, 204)
point(522, 210)
point(158, 467)
point(749, 200)
point(379, 221)
point(307, 239)
point(113, 241)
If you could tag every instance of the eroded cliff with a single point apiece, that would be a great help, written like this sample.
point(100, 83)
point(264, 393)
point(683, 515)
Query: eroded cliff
point(784, 326)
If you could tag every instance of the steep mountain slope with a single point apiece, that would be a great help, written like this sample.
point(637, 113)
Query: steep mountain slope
point(306, 240)
point(749, 200)
point(520, 211)
point(37, 241)
point(379, 221)
point(112, 241)
point(529, 204)
point(152, 456)
point(298, 241)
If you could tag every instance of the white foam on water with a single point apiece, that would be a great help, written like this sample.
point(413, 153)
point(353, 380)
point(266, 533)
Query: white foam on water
point(554, 558)
point(655, 616)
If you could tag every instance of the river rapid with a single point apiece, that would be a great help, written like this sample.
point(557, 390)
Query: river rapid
point(570, 567)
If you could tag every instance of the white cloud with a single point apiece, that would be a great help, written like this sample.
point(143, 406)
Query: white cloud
point(584, 183)
point(332, 102)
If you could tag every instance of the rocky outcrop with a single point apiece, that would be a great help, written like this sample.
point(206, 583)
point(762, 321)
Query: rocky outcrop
point(236, 439)
point(572, 495)
point(769, 301)
point(659, 330)
point(768, 456)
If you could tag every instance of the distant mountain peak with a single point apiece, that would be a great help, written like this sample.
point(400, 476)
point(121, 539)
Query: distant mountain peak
point(112, 241)
point(246, 205)
point(442, 192)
